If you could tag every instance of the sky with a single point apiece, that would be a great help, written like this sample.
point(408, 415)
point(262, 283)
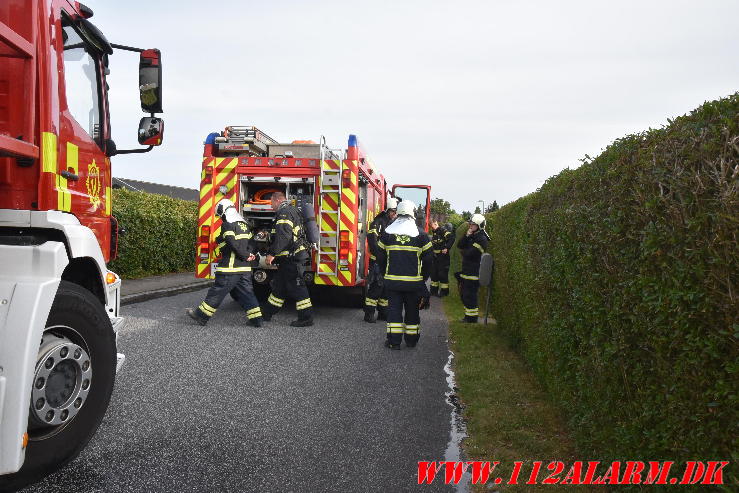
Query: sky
point(482, 100)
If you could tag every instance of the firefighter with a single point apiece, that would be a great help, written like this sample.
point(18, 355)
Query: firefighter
point(375, 293)
point(442, 241)
point(403, 252)
point(289, 251)
point(472, 245)
point(233, 273)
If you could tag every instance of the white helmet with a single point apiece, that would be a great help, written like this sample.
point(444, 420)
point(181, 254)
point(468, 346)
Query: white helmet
point(406, 208)
point(222, 206)
point(392, 203)
point(478, 219)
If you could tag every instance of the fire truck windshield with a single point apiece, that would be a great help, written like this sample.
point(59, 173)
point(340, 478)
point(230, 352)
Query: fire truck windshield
point(81, 83)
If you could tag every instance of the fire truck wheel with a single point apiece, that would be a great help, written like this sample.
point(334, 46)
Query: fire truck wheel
point(73, 382)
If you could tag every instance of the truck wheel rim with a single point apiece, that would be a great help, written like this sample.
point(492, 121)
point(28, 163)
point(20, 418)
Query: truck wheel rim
point(62, 380)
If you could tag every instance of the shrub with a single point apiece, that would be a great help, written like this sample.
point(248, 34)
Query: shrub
point(618, 280)
point(160, 234)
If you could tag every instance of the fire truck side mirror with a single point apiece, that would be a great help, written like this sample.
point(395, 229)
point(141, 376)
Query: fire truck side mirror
point(151, 131)
point(150, 80)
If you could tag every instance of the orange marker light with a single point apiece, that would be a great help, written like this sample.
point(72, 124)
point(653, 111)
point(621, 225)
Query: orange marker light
point(110, 278)
point(25, 440)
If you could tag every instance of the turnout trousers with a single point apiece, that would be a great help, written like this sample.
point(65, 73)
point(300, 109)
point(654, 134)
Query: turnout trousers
point(243, 289)
point(289, 283)
point(440, 274)
point(468, 290)
point(403, 319)
point(375, 297)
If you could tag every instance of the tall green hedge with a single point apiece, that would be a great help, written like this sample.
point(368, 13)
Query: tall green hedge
point(160, 234)
point(619, 279)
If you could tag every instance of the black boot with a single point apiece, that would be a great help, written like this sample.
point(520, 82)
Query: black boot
point(391, 346)
point(266, 314)
point(193, 313)
point(434, 291)
point(443, 292)
point(469, 320)
point(381, 315)
point(369, 317)
point(307, 322)
point(255, 322)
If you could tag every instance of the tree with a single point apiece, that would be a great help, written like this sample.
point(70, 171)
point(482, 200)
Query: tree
point(492, 207)
point(477, 210)
point(466, 215)
point(441, 207)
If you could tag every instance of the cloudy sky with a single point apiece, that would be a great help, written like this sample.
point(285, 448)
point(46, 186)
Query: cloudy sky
point(483, 100)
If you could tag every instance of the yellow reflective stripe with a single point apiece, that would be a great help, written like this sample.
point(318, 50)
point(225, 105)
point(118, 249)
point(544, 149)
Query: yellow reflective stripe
point(382, 302)
point(371, 231)
point(300, 305)
point(254, 310)
point(381, 245)
point(411, 329)
point(479, 247)
point(395, 328)
point(426, 247)
point(274, 300)
point(372, 257)
point(285, 221)
point(471, 311)
point(370, 302)
point(207, 309)
point(402, 248)
point(254, 313)
point(469, 278)
point(437, 251)
point(443, 285)
point(393, 277)
point(232, 260)
point(229, 233)
point(233, 269)
point(244, 236)
point(48, 152)
point(434, 284)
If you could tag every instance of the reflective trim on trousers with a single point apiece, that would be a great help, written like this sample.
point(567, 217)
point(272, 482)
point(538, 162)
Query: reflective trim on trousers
point(444, 285)
point(274, 300)
point(471, 312)
point(395, 328)
point(254, 313)
point(207, 310)
point(303, 304)
point(370, 302)
point(434, 284)
point(411, 330)
point(382, 302)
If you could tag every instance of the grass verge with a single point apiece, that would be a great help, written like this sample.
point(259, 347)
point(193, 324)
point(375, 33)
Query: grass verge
point(508, 415)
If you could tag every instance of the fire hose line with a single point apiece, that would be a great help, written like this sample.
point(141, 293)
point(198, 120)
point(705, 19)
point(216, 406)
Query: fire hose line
point(258, 198)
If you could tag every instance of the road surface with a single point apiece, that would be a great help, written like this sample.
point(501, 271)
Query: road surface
point(228, 407)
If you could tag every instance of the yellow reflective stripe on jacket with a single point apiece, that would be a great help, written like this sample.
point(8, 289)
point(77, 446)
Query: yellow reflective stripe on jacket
point(229, 233)
point(233, 269)
point(479, 247)
point(243, 236)
point(285, 252)
point(285, 221)
point(469, 278)
point(381, 245)
point(426, 247)
point(402, 248)
point(393, 277)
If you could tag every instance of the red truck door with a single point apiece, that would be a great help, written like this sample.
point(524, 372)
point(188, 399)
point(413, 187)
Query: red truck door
point(419, 195)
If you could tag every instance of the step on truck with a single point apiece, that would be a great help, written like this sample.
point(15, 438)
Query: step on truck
point(345, 188)
point(59, 304)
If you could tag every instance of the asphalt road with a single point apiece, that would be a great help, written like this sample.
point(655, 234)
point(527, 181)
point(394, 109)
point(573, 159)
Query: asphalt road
point(278, 409)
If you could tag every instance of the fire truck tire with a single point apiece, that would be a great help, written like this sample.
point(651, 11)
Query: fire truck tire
point(78, 321)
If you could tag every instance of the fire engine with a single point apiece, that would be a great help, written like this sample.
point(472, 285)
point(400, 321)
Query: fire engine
point(59, 304)
point(343, 190)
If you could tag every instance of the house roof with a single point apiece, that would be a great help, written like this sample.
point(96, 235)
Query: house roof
point(168, 190)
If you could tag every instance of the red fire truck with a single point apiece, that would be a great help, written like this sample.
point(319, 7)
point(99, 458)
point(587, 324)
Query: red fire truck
point(345, 188)
point(59, 304)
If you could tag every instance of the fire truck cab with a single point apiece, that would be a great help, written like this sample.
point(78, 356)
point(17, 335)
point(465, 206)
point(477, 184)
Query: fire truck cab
point(59, 304)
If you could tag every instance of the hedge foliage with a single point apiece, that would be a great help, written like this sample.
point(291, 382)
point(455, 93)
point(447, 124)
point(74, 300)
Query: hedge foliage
point(160, 234)
point(618, 282)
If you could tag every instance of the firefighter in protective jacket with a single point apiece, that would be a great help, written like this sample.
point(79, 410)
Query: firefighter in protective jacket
point(403, 252)
point(233, 273)
point(289, 250)
point(472, 245)
point(442, 241)
point(375, 297)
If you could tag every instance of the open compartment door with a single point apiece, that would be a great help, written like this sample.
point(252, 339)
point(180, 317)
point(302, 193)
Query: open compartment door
point(419, 195)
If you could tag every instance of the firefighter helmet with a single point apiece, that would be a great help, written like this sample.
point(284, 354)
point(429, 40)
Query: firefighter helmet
point(478, 219)
point(222, 206)
point(406, 208)
point(392, 203)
